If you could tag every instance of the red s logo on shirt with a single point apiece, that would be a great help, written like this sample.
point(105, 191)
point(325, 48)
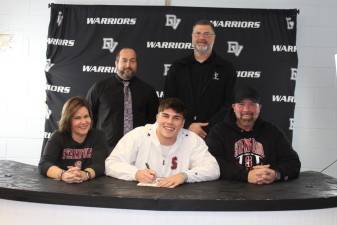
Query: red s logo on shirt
point(174, 163)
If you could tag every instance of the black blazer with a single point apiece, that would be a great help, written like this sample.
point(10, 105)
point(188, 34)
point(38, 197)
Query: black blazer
point(107, 103)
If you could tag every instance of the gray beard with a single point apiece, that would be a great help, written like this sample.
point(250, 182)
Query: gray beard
point(202, 50)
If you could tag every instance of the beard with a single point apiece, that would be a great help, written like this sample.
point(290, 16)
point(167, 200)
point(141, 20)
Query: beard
point(126, 73)
point(247, 120)
point(202, 47)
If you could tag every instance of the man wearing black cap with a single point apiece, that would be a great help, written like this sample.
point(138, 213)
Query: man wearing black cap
point(250, 149)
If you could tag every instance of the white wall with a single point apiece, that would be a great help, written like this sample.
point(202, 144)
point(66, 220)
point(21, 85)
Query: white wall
point(32, 213)
point(22, 80)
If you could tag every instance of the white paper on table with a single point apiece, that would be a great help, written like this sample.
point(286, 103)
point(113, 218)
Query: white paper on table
point(153, 184)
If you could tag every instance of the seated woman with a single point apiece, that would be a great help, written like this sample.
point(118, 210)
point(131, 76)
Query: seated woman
point(75, 152)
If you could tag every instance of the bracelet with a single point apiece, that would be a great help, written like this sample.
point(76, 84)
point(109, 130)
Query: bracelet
point(62, 172)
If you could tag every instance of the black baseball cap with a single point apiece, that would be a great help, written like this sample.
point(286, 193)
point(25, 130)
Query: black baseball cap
point(250, 93)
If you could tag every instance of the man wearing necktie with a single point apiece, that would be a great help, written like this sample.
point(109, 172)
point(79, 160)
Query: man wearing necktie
point(123, 101)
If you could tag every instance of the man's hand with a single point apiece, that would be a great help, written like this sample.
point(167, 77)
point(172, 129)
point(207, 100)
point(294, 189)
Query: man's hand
point(269, 176)
point(145, 176)
point(197, 128)
point(261, 175)
point(173, 181)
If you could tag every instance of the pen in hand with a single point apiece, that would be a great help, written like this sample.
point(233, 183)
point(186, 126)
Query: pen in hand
point(147, 165)
point(151, 172)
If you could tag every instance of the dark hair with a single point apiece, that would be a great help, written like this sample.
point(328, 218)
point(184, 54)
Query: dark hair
point(119, 52)
point(70, 107)
point(204, 22)
point(172, 103)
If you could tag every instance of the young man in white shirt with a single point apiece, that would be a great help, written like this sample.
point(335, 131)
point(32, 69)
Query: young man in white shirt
point(163, 150)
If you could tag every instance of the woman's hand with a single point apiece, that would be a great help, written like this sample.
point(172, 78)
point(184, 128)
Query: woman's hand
point(74, 175)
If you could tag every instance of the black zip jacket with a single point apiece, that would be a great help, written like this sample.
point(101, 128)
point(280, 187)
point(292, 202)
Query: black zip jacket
point(216, 88)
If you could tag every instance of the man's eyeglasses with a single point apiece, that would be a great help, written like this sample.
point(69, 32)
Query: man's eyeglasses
point(206, 34)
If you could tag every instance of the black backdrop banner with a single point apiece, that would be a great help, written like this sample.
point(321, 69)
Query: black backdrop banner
point(83, 40)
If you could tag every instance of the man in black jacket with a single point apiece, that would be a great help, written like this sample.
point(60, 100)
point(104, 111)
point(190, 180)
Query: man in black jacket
point(203, 81)
point(250, 149)
point(106, 98)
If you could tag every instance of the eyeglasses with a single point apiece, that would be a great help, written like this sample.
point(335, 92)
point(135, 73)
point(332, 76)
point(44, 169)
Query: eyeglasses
point(206, 34)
